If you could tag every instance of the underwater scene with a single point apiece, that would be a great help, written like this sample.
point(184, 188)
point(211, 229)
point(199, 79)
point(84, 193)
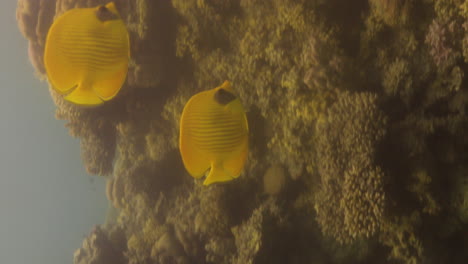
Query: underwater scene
point(264, 131)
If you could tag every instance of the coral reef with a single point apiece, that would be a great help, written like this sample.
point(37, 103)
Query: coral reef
point(358, 118)
point(34, 19)
point(102, 246)
point(350, 201)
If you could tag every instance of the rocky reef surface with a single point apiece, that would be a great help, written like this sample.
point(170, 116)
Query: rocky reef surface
point(358, 120)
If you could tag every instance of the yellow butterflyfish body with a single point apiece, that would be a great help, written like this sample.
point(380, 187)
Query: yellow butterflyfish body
point(214, 135)
point(86, 54)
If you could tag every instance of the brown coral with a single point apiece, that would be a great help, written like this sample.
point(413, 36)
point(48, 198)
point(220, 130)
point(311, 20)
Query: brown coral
point(442, 47)
point(249, 238)
point(363, 200)
point(350, 201)
point(392, 12)
point(34, 18)
point(96, 129)
point(399, 233)
point(101, 246)
point(251, 234)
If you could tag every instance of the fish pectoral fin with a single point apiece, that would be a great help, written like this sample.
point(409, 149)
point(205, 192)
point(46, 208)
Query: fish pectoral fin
point(217, 174)
point(83, 96)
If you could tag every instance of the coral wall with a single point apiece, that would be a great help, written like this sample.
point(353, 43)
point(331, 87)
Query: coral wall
point(358, 131)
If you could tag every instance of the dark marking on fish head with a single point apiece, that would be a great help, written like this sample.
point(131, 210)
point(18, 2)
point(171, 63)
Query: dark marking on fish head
point(104, 14)
point(224, 97)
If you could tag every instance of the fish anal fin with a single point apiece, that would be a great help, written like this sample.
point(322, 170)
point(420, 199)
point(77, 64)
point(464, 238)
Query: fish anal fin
point(217, 174)
point(83, 96)
point(109, 84)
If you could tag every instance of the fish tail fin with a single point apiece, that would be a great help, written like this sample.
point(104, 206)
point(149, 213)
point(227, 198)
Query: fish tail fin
point(217, 174)
point(83, 96)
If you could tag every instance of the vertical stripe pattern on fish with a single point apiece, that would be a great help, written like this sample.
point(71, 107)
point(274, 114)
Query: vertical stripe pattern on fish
point(214, 135)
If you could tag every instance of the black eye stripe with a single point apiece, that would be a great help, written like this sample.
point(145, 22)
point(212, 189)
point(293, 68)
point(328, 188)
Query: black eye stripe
point(224, 97)
point(104, 14)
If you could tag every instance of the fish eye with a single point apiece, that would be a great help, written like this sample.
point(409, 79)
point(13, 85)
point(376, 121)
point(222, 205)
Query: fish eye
point(224, 97)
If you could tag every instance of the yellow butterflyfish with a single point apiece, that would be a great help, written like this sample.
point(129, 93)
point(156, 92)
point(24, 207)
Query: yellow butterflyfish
point(214, 135)
point(86, 54)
